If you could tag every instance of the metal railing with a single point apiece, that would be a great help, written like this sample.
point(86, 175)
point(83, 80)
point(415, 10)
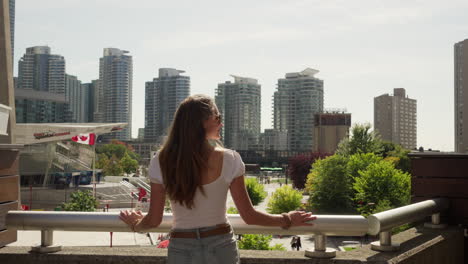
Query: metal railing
point(324, 225)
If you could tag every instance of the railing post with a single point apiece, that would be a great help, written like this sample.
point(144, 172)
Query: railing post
point(385, 242)
point(320, 249)
point(47, 240)
point(435, 222)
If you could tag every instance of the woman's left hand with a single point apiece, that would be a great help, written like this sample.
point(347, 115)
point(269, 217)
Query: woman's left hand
point(131, 218)
point(299, 218)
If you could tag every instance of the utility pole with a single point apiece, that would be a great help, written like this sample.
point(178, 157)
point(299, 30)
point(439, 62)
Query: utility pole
point(7, 95)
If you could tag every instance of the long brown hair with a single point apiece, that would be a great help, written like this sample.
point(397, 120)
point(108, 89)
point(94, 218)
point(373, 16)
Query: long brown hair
point(183, 157)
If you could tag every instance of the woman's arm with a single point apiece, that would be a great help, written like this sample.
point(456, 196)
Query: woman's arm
point(254, 217)
point(137, 221)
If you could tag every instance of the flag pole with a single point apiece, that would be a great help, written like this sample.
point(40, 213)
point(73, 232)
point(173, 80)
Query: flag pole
point(94, 170)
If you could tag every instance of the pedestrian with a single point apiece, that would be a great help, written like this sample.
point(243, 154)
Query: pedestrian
point(298, 243)
point(293, 242)
point(196, 176)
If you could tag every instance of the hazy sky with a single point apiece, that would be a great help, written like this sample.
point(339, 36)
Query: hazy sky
point(361, 48)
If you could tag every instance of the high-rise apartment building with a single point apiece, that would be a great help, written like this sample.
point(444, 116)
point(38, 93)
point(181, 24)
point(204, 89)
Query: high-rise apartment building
point(272, 139)
point(41, 71)
point(12, 28)
point(461, 96)
point(163, 96)
point(395, 118)
point(330, 128)
point(298, 98)
point(41, 107)
point(239, 104)
point(78, 97)
point(40, 89)
point(114, 93)
point(90, 90)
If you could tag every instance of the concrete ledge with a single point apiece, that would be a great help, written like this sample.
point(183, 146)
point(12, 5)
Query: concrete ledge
point(418, 246)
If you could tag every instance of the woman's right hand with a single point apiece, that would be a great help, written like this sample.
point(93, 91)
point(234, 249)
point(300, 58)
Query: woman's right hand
point(131, 218)
point(299, 218)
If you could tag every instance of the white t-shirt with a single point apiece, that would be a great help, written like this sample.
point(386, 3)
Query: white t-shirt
point(208, 209)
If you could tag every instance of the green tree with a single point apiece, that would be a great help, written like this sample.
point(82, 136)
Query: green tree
point(255, 190)
point(362, 140)
point(128, 164)
point(330, 186)
point(404, 162)
point(81, 201)
point(381, 186)
point(284, 199)
point(258, 242)
point(113, 167)
point(359, 162)
point(102, 161)
point(118, 149)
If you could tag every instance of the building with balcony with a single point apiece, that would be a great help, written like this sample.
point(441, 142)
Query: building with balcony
point(114, 93)
point(461, 96)
point(78, 97)
point(298, 98)
point(33, 106)
point(40, 70)
point(162, 97)
point(330, 128)
point(90, 90)
point(395, 118)
point(239, 104)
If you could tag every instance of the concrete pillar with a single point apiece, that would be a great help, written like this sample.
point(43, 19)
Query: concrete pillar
point(7, 95)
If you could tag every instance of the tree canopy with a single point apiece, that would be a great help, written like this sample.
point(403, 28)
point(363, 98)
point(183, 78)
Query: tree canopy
point(299, 167)
point(365, 175)
point(116, 158)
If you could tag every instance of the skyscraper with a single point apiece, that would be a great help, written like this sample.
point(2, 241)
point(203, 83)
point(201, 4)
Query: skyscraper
point(298, 98)
point(90, 90)
point(163, 96)
point(41, 71)
point(40, 88)
point(395, 118)
point(114, 93)
point(239, 104)
point(78, 97)
point(461, 96)
point(12, 28)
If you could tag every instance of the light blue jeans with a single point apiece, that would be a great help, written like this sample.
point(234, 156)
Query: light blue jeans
point(213, 250)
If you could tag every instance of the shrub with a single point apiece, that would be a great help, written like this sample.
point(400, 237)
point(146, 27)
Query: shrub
point(258, 242)
point(255, 190)
point(232, 210)
point(81, 201)
point(284, 199)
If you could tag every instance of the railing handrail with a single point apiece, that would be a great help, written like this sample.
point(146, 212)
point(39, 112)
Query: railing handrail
point(324, 225)
point(334, 225)
point(329, 225)
point(385, 221)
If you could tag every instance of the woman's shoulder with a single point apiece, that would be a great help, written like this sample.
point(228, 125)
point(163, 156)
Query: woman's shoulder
point(226, 151)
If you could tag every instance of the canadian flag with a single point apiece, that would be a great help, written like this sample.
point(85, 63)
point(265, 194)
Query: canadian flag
point(87, 139)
